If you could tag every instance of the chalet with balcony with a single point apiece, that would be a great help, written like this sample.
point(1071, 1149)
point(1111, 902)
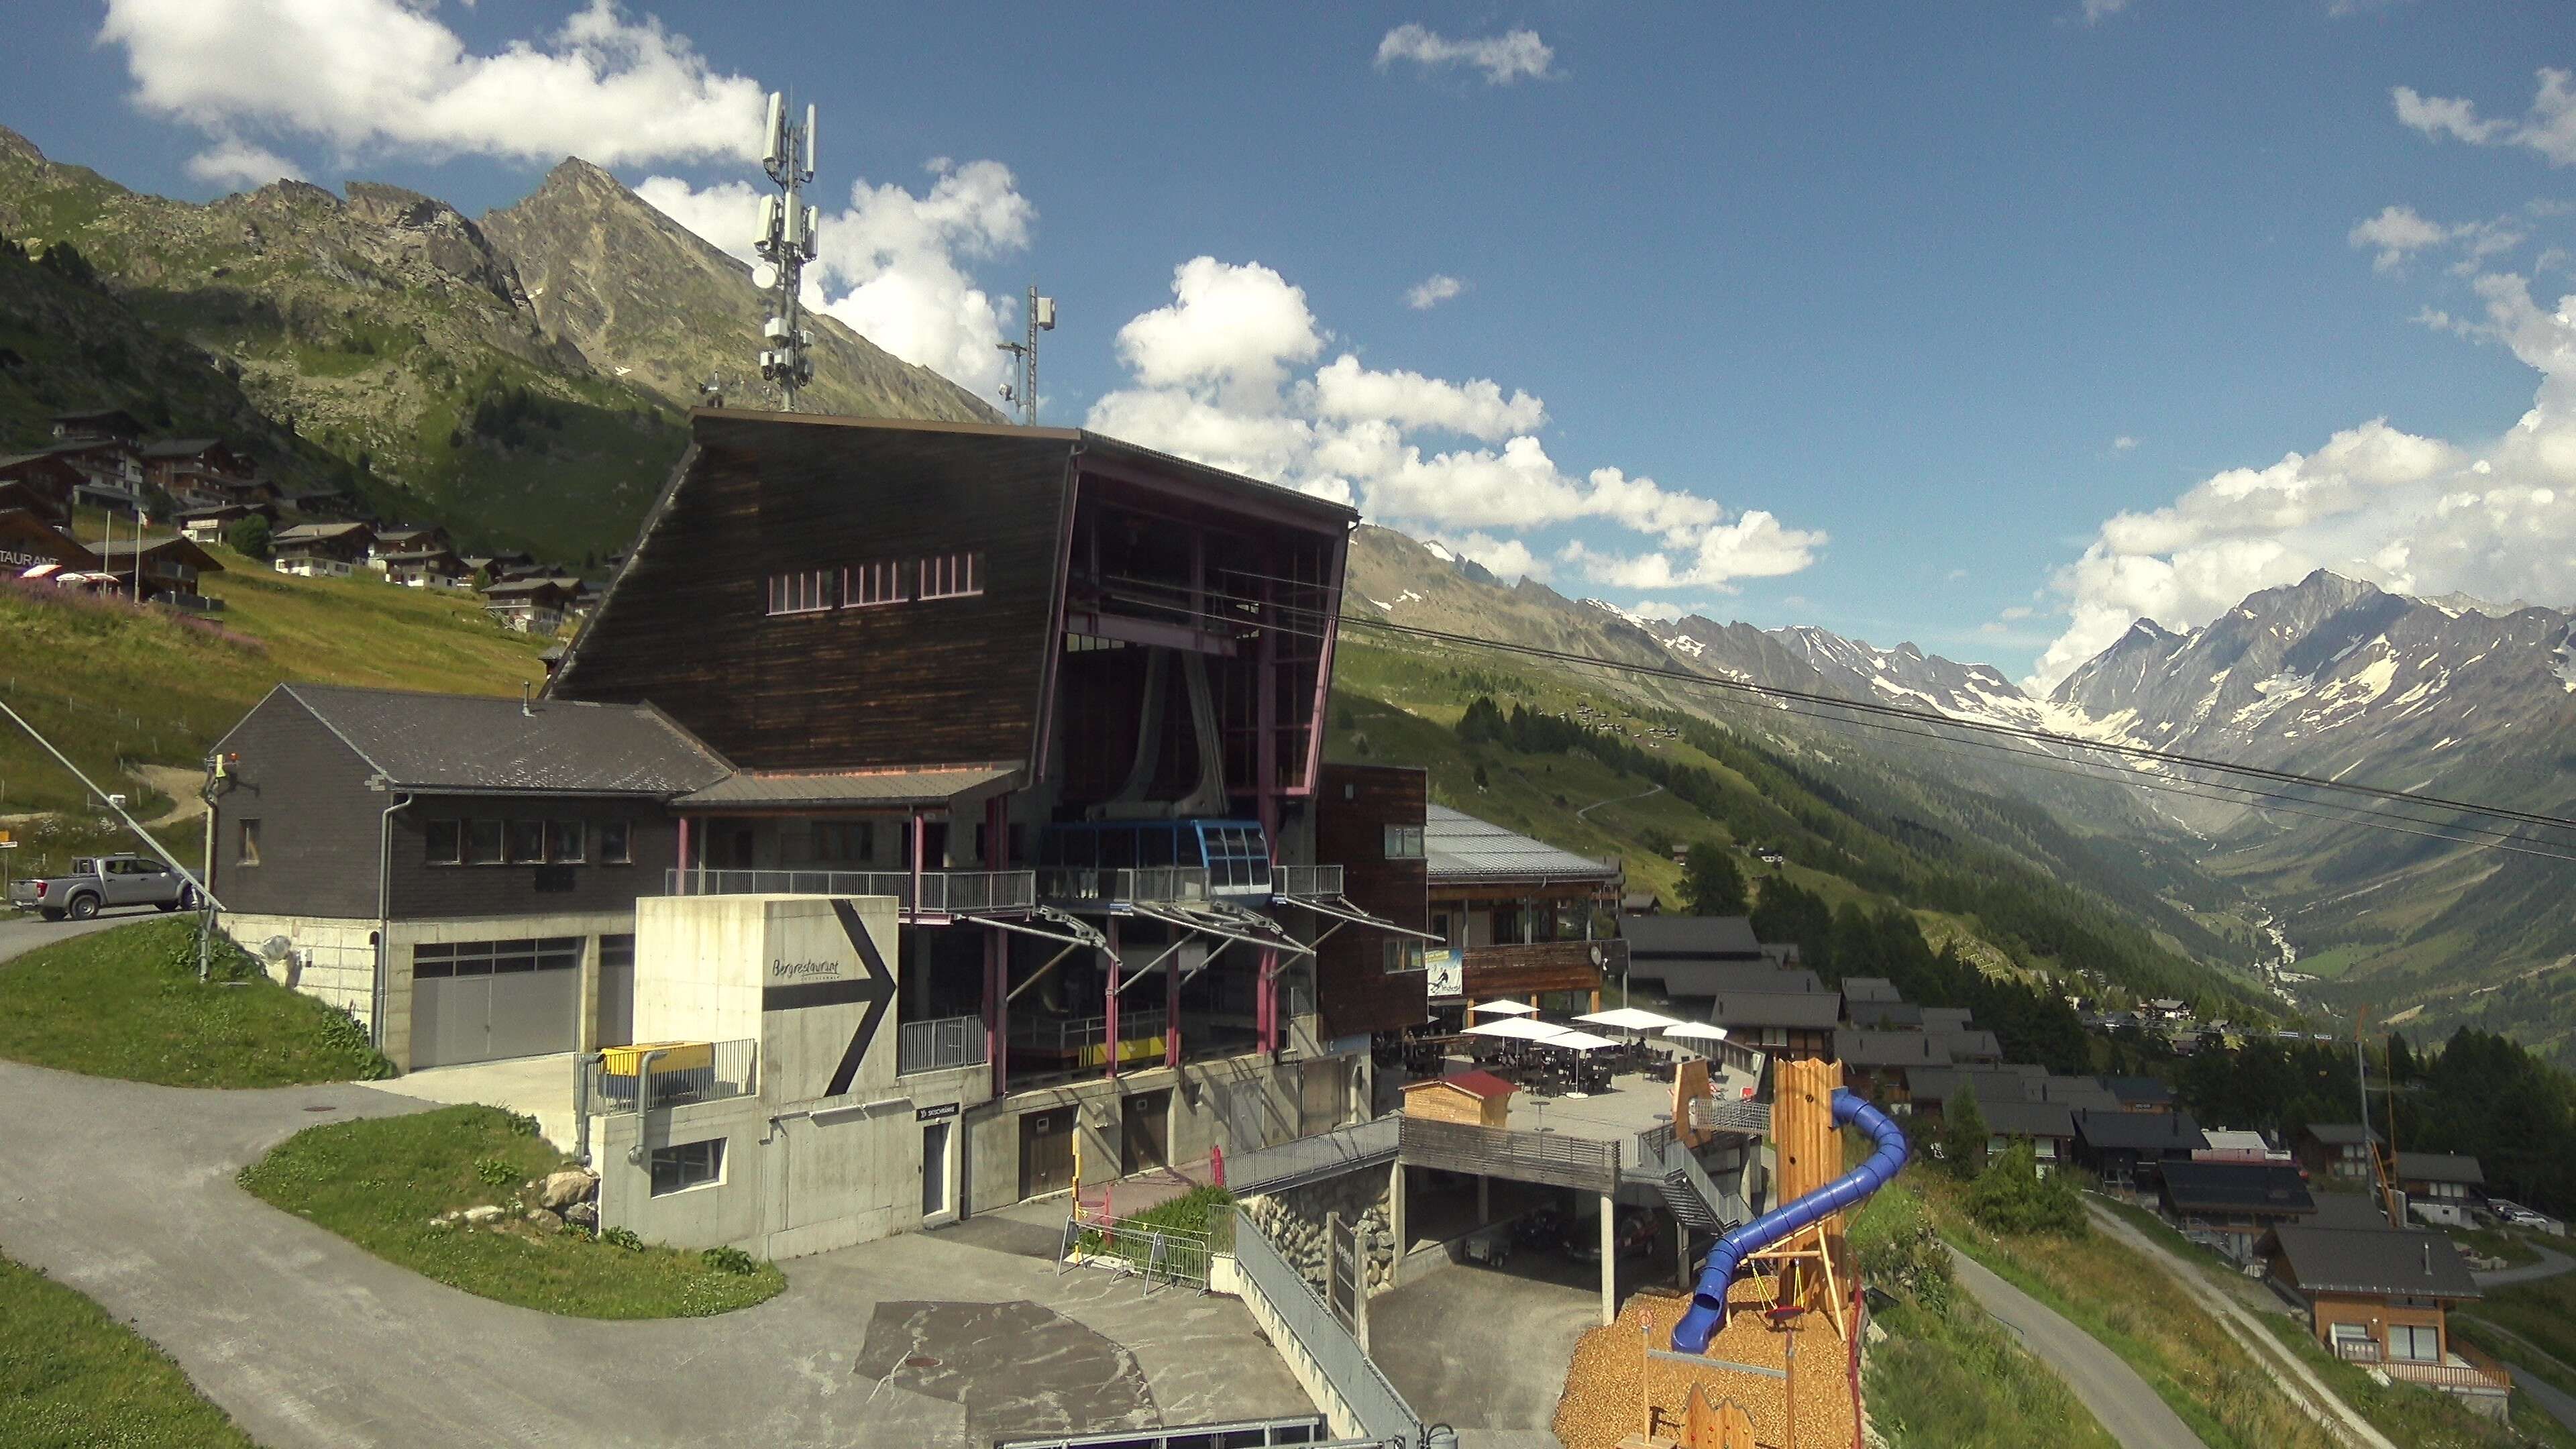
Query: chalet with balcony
point(168, 570)
point(2130, 1150)
point(2338, 1149)
point(1792, 1025)
point(322, 550)
point(1061, 699)
point(40, 483)
point(201, 472)
point(1524, 918)
point(2231, 1206)
point(2442, 1188)
point(2382, 1297)
point(530, 606)
point(1708, 956)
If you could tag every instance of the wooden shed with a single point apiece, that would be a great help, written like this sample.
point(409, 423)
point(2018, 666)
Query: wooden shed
point(1478, 1099)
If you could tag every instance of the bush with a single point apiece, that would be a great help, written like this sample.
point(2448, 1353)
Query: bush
point(623, 1238)
point(1899, 1250)
point(249, 536)
point(727, 1260)
point(2013, 1196)
point(1963, 1134)
point(494, 1172)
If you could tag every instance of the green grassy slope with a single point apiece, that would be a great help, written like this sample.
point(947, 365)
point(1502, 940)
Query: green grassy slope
point(73, 1378)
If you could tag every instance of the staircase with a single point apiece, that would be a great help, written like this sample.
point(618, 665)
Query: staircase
point(1695, 1199)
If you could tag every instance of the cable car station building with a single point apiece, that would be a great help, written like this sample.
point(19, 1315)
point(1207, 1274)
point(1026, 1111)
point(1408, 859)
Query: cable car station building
point(1059, 702)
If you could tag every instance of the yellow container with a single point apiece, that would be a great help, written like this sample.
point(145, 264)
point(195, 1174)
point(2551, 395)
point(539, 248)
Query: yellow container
point(676, 1056)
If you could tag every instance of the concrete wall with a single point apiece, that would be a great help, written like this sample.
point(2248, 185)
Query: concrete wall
point(330, 957)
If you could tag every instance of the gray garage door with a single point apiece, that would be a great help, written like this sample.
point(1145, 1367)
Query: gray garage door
point(474, 1001)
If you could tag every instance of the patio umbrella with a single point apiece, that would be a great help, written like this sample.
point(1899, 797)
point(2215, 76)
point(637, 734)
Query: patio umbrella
point(1577, 1041)
point(1632, 1018)
point(1696, 1030)
point(1502, 1008)
point(1518, 1029)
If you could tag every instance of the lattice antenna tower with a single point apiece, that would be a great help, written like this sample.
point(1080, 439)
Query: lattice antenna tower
point(786, 243)
point(1022, 391)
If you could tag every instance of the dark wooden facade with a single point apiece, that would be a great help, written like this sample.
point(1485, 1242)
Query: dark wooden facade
point(1519, 971)
point(422, 890)
point(1356, 804)
point(318, 824)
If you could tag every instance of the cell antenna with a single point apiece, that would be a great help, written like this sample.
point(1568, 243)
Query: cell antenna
point(1022, 390)
point(786, 242)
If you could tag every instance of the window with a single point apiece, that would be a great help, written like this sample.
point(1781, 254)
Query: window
point(483, 842)
point(1403, 955)
point(803, 592)
point(612, 843)
point(444, 842)
point(1404, 842)
point(2415, 1342)
point(952, 575)
point(564, 840)
point(688, 1165)
point(839, 842)
point(527, 842)
point(496, 958)
point(876, 583)
point(249, 852)
point(616, 953)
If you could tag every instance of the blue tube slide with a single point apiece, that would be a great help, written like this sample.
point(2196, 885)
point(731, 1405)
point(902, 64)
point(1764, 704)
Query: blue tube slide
point(1707, 1313)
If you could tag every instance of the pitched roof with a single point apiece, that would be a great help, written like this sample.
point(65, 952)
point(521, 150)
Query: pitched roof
point(2139, 1091)
point(2440, 1167)
point(1814, 1010)
point(2342, 1134)
point(1474, 1083)
point(1870, 988)
point(1720, 978)
point(1462, 849)
point(307, 532)
point(2008, 1083)
point(179, 447)
point(2027, 1119)
point(2237, 1187)
point(868, 787)
point(2160, 1132)
point(1910, 1048)
point(2349, 1210)
point(1941, 1018)
point(2388, 1262)
point(476, 743)
point(1884, 1015)
point(2077, 1092)
point(1690, 938)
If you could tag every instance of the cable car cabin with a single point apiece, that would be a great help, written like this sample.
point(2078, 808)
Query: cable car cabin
point(1161, 860)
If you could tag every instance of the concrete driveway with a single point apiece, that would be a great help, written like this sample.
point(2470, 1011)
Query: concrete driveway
point(21, 934)
point(126, 1192)
point(2115, 1393)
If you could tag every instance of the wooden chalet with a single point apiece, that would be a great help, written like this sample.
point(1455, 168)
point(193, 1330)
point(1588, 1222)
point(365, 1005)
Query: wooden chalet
point(27, 542)
point(200, 472)
point(1524, 918)
point(530, 606)
point(41, 483)
point(169, 568)
point(1063, 699)
point(2381, 1297)
point(2338, 1149)
point(2230, 1206)
point(317, 549)
point(94, 425)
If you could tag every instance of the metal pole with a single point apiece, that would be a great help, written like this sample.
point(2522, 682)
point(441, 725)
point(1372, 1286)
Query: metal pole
point(206, 867)
point(131, 823)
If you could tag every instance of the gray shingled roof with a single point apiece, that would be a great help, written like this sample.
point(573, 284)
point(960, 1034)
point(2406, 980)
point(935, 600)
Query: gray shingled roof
point(1721, 978)
point(2440, 1167)
point(2158, 1132)
point(1463, 850)
point(1871, 988)
point(2384, 1261)
point(2342, 1134)
point(2237, 1187)
point(1690, 938)
point(875, 787)
point(1813, 1010)
point(2008, 1083)
point(461, 742)
point(2027, 1119)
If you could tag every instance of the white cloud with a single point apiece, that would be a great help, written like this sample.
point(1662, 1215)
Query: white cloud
point(1505, 58)
point(1219, 375)
point(2398, 232)
point(1431, 291)
point(893, 265)
point(2097, 11)
point(384, 76)
point(2549, 128)
point(239, 165)
point(2410, 513)
point(2123, 443)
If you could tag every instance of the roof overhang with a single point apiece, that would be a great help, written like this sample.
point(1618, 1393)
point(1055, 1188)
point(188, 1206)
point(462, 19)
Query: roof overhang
point(751, 792)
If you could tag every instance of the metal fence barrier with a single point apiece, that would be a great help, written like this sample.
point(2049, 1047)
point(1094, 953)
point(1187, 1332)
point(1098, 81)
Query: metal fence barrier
point(938, 1046)
point(943, 892)
point(1151, 1251)
point(626, 1080)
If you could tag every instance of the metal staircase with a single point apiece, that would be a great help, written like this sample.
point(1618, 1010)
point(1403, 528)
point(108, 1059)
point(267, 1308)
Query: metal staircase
point(1694, 1197)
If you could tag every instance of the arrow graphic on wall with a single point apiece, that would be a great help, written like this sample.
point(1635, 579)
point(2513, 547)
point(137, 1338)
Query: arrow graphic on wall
point(874, 986)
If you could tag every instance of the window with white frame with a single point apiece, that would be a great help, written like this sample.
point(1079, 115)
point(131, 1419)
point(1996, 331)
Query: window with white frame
point(952, 575)
point(802, 592)
point(2415, 1343)
point(872, 583)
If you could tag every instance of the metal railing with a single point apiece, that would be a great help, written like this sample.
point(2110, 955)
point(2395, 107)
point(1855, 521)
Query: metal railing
point(1381, 1411)
point(1306, 882)
point(1308, 1430)
point(1302, 1160)
point(2466, 1374)
point(622, 1082)
point(1074, 1033)
point(943, 892)
point(1126, 883)
point(938, 1046)
point(1151, 1251)
point(1548, 1157)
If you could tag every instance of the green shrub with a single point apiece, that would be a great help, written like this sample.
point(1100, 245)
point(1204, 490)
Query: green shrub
point(623, 1238)
point(494, 1171)
point(729, 1260)
point(2013, 1196)
point(1899, 1249)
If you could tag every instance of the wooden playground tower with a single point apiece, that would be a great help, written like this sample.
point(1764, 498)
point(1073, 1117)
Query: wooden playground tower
point(1782, 1374)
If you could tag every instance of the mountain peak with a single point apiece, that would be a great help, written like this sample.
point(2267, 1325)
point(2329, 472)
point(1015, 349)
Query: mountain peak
point(14, 144)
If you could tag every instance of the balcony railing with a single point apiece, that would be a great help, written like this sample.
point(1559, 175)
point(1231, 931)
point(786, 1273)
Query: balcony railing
point(939, 1046)
point(1158, 883)
point(1307, 882)
point(1082, 1038)
point(943, 892)
point(649, 1075)
point(2462, 1372)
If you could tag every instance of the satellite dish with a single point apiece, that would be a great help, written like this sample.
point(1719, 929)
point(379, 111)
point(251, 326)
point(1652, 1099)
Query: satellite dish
point(764, 276)
point(276, 947)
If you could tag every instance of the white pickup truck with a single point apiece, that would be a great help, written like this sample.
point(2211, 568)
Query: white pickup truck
point(97, 882)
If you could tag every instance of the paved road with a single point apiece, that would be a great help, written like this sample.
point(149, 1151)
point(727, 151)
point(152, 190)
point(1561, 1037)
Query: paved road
point(2551, 1264)
point(2115, 1393)
point(125, 1192)
point(1621, 800)
point(2557, 1405)
point(21, 934)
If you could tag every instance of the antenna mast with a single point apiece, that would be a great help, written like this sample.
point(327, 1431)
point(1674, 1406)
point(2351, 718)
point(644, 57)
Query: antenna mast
point(1023, 392)
point(785, 243)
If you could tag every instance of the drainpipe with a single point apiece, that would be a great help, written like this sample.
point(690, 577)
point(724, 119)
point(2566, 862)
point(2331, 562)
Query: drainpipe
point(384, 913)
point(582, 1066)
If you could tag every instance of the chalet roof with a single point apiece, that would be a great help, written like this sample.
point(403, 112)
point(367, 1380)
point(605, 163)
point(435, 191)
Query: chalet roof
point(418, 555)
point(2081, 1092)
point(526, 588)
point(476, 743)
point(1884, 1015)
point(1463, 850)
point(2027, 1119)
point(1720, 978)
point(180, 447)
point(2237, 1187)
point(2349, 1210)
point(22, 526)
point(2011, 1082)
point(863, 788)
point(1948, 1018)
point(2140, 1091)
point(1690, 938)
point(1892, 1048)
point(2440, 1167)
point(2342, 1134)
point(315, 532)
point(1811, 1010)
point(2143, 1132)
point(2383, 1262)
point(1475, 1083)
point(113, 417)
point(175, 546)
point(1870, 988)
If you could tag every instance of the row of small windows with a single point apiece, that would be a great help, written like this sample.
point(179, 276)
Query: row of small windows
point(496, 958)
point(527, 842)
point(868, 585)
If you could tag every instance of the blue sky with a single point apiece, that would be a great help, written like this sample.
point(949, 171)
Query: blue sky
point(1900, 278)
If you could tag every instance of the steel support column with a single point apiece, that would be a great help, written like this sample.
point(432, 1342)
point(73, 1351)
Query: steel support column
point(920, 844)
point(1266, 1013)
point(997, 952)
point(1171, 1013)
point(1110, 1019)
point(684, 857)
